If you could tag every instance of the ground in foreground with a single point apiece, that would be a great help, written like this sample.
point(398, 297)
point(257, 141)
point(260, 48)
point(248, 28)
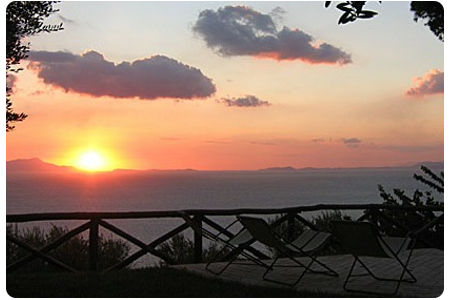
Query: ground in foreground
point(148, 283)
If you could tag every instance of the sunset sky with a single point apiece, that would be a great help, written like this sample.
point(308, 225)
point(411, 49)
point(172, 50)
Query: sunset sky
point(231, 85)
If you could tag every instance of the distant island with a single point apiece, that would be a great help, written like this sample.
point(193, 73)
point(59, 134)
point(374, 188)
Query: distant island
point(279, 169)
point(35, 165)
point(432, 165)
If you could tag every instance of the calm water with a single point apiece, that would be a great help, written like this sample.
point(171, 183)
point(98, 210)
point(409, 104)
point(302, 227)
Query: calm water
point(53, 192)
point(147, 191)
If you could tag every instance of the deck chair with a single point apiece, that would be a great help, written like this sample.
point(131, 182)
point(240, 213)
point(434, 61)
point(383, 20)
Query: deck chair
point(305, 245)
point(362, 239)
point(237, 245)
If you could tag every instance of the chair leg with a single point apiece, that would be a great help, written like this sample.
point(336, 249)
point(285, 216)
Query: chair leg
point(330, 271)
point(238, 251)
point(272, 266)
point(405, 269)
point(215, 259)
point(350, 274)
point(398, 281)
point(305, 267)
point(224, 268)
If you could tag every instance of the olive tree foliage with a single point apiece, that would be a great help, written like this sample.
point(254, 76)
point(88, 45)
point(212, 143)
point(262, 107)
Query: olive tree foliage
point(182, 250)
point(23, 19)
point(430, 12)
point(73, 253)
point(414, 220)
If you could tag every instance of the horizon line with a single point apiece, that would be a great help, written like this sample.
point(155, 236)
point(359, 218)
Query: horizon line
point(187, 169)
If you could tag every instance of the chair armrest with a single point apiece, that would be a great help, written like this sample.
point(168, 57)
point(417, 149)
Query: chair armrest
point(226, 228)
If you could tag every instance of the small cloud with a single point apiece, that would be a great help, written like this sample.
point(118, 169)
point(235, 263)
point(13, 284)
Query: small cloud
point(246, 101)
point(39, 93)
point(432, 83)
point(265, 143)
point(277, 14)
point(351, 142)
point(147, 78)
point(172, 139)
point(318, 140)
point(322, 140)
point(216, 142)
point(240, 30)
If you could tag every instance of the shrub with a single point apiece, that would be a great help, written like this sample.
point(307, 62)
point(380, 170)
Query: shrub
point(182, 249)
point(414, 220)
point(179, 248)
point(74, 252)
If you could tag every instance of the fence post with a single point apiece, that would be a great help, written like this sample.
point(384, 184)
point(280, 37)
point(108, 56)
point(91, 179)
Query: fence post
point(198, 240)
point(93, 245)
point(291, 226)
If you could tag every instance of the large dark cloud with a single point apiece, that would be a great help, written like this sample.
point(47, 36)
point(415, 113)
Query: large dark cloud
point(431, 83)
point(246, 101)
point(240, 30)
point(148, 78)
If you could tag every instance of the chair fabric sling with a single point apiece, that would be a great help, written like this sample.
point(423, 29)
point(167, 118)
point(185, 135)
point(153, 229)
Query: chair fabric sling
point(305, 245)
point(237, 244)
point(362, 239)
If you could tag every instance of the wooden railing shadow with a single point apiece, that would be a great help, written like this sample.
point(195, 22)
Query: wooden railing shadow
point(202, 217)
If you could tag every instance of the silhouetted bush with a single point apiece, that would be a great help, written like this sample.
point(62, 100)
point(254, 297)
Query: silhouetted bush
point(414, 220)
point(74, 252)
point(182, 249)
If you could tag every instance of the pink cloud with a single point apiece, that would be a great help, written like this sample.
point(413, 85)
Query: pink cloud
point(242, 31)
point(147, 78)
point(432, 83)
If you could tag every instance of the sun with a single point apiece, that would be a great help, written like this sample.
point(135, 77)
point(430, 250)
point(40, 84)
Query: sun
point(92, 160)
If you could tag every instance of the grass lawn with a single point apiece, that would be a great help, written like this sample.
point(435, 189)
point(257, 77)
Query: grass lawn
point(148, 283)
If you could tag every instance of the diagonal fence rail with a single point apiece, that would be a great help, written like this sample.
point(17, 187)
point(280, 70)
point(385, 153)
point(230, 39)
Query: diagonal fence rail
point(377, 213)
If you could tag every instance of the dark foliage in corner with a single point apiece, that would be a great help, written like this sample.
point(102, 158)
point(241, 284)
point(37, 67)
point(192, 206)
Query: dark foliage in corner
point(414, 220)
point(431, 12)
point(23, 19)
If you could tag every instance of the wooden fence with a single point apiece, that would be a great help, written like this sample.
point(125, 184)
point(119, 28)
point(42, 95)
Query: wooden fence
point(202, 217)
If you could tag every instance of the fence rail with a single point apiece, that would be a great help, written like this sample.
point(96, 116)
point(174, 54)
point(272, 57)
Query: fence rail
point(203, 217)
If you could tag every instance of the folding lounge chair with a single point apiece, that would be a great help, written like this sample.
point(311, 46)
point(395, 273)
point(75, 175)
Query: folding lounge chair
point(237, 245)
point(305, 245)
point(362, 239)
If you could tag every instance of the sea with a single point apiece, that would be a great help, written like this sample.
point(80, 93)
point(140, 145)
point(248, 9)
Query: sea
point(126, 191)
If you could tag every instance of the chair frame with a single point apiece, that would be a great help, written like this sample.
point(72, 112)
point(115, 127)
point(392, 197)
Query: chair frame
point(239, 249)
point(378, 251)
point(286, 248)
